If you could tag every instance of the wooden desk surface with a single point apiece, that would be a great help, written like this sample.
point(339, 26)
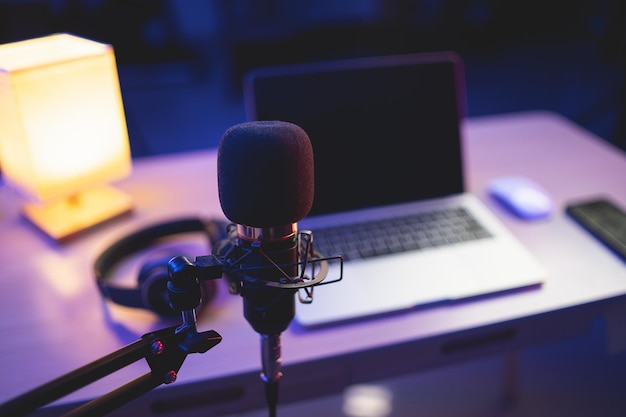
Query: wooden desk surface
point(54, 319)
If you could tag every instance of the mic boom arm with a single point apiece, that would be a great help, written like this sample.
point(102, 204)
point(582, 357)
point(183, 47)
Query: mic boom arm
point(165, 351)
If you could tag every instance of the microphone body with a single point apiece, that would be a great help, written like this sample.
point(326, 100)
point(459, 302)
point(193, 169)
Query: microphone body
point(265, 185)
point(269, 310)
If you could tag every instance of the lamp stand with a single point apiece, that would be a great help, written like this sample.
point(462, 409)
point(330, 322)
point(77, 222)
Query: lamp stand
point(66, 217)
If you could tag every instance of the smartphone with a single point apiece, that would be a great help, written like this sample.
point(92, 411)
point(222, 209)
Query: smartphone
point(604, 219)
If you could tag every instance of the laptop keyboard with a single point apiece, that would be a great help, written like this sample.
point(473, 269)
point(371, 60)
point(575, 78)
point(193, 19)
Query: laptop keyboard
point(399, 234)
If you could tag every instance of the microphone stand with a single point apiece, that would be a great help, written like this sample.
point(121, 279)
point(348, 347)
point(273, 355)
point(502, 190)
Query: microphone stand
point(165, 351)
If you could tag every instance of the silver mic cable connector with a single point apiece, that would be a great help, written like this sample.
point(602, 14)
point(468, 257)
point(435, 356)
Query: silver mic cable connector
point(271, 357)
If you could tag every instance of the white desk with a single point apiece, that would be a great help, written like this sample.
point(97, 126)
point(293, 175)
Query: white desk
point(54, 319)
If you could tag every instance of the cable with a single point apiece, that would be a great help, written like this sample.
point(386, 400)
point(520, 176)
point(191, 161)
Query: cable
point(271, 396)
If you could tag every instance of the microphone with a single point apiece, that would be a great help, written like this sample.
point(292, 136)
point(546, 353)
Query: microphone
point(265, 185)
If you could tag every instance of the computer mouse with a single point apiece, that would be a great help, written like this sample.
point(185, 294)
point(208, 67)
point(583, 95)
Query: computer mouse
point(522, 196)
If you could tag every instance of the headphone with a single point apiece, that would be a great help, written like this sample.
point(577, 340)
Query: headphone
point(151, 291)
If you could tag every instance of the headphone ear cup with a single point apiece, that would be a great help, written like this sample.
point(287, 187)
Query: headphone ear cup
point(152, 281)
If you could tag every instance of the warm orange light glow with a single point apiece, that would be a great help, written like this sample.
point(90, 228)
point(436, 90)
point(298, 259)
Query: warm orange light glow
point(62, 124)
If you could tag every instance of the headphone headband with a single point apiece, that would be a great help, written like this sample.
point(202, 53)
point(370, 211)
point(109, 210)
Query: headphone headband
point(141, 239)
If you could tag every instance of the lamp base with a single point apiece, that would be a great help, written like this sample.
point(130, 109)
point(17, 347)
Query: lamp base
point(63, 219)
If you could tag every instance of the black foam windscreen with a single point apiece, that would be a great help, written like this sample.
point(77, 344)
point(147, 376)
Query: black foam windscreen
point(265, 173)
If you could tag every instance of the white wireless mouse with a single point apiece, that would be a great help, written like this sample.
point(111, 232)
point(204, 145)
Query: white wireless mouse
point(522, 196)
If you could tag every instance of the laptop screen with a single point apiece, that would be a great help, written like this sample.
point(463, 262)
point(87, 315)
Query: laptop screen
point(384, 130)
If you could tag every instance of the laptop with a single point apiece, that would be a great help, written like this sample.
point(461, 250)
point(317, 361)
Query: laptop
point(388, 151)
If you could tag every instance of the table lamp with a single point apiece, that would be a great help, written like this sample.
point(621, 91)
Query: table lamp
point(63, 133)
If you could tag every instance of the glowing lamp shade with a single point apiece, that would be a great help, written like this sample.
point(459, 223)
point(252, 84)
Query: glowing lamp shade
point(63, 133)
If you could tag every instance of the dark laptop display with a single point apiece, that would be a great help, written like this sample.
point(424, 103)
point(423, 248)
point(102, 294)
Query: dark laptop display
point(391, 142)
